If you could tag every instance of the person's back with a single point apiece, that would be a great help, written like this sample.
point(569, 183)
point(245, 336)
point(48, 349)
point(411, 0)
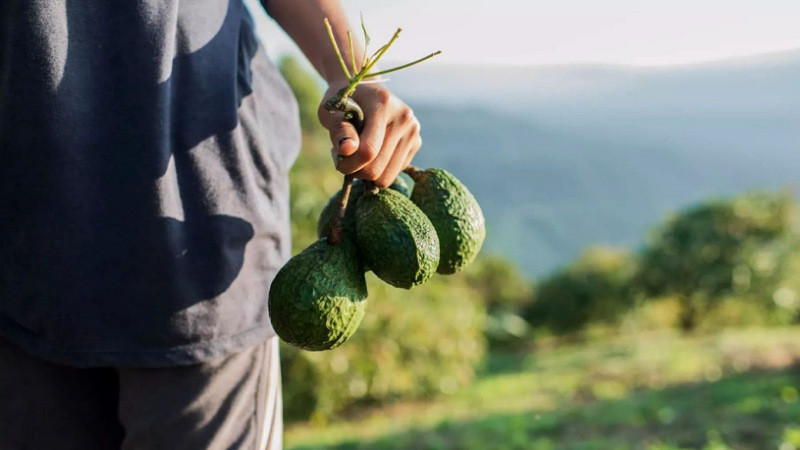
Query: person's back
point(144, 150)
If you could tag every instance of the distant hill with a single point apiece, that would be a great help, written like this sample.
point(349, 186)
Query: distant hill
point(568, 156)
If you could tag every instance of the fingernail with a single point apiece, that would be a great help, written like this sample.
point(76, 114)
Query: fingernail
point(341, 140)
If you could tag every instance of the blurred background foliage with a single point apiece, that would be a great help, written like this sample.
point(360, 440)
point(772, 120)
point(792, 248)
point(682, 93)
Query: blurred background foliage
point(728, 262)
point(596, 288)
point(722, 249)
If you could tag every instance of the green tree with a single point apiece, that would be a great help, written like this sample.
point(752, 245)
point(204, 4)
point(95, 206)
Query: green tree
point(719, 248)
point(595, 288)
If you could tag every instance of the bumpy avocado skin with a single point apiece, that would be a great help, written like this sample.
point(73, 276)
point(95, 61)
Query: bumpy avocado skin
point(396, 240)
point(317, 300)
point(455, 214)
point(349, 222)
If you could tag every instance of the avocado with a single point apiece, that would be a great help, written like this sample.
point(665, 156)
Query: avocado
point(396, 240)
point(455, 215)
point(401, 186)
point(349, 222)
point(318, 298)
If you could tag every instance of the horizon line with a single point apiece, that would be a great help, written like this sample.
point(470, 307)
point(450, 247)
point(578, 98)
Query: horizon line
point(742, 58)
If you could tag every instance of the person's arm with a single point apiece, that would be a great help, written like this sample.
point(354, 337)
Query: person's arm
point(390, 138)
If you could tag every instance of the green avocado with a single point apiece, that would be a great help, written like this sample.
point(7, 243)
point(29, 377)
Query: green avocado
point(396, 240)
point(318, 298)
point(401, 186)
point(455, 214)
point(349, 222)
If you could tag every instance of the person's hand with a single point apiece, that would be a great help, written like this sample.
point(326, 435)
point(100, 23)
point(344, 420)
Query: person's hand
point(387, 144)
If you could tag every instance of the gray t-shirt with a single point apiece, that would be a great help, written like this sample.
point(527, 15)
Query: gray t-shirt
point(144, 152)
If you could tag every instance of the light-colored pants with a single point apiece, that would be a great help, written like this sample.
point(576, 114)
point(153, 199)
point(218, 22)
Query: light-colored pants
point(229, 403)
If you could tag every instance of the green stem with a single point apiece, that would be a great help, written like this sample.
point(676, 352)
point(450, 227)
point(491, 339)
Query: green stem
point(404, 66)
point(341, 101)
point(348, 90)
point(376, 53)
point(380, 53)
point(336, 49)
point(364, 58)
point(352, 51)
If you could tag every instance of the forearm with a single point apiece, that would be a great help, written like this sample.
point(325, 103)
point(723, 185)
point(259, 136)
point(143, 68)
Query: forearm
point(303, 21)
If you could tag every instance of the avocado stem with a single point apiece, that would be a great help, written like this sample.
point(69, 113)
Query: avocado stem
point(336, 229)
point(413, 172)
point(352, 111)
point(370, 187)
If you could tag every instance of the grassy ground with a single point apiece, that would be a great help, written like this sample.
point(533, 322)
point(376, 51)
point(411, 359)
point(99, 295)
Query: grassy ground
point(737, 389)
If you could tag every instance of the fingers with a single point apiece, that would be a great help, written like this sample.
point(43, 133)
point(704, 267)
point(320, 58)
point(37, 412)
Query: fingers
point(344, 138)
point(370, 144)
point(416, 145)
point(388, 141)
point(399, 142)
point(393, 145)
point(396, 164)
point(393, 158)
point(405, 150)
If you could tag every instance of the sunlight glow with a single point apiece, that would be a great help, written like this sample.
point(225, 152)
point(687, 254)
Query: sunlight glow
point(525, 32)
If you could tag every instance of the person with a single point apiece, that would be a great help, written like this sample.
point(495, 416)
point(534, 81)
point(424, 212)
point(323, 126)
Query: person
point(144, 156)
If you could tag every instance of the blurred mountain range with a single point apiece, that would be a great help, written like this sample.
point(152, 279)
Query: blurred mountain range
point(564, 157)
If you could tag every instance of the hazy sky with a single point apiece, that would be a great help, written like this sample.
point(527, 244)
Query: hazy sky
point(640, 32)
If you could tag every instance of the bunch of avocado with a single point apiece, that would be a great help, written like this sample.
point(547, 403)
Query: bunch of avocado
point(317, 299)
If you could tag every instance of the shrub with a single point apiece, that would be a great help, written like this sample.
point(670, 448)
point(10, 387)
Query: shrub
point(720, 249)
point(595, 288)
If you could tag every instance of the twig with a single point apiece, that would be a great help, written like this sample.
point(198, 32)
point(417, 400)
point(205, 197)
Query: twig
point(380, 53)
point(336, 49)
point(395, 69)
point(336, 226)
point(364, 58)
point(352, 51)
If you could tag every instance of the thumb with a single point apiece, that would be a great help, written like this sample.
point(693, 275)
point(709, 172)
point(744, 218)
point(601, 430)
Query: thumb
point(344, 138)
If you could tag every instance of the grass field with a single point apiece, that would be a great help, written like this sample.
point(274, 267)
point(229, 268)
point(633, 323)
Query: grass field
point(660, 390)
